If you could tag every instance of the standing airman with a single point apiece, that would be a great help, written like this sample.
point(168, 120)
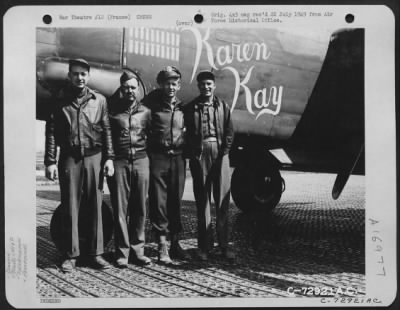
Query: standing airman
point(130, 123)
point(209, 139)
point(80, 126)
point(167, 165)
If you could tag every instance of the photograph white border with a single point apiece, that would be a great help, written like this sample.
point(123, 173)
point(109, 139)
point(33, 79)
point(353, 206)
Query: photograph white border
point(20, 25)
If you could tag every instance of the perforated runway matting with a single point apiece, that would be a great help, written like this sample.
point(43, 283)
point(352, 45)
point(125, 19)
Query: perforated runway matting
point(310, 240)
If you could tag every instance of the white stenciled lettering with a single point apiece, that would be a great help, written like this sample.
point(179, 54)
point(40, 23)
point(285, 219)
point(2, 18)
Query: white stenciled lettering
point(226, 54)
point(263, 94)
point(267, 100)
point(224, 51)
point(261, 50)
point(275, 94)
point(246, 50)
point(270, 104)
point(199, 47)
point(238, 85)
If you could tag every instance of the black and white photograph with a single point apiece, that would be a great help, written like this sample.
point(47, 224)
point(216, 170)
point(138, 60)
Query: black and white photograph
point(223, 157)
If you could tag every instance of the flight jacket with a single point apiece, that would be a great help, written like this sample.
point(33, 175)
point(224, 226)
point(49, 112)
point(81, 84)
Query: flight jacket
point(130, 125)
point(80, 129)
point(167, 133)
point(194, 133)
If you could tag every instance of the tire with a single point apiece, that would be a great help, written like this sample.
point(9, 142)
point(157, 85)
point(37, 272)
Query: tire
point(59, 233)
point(256, 188)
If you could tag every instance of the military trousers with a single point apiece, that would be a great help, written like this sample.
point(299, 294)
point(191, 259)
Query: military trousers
point(167, 183)
point(128, 189)
point(211, 173)
point(81, 192)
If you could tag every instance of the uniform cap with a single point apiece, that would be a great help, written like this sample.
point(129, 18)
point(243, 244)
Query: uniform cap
point(126, 76)
point(168, 73)
point(79, 62)
point(205, 75)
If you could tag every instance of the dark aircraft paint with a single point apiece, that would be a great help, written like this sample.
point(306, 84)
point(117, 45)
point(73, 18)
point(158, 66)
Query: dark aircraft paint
point(296, 89)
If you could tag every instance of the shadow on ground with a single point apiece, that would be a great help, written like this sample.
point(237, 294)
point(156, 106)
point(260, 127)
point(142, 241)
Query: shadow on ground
point(293, 239)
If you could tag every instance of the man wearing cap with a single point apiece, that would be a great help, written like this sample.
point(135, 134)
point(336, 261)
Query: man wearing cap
point(167, 165)
point(209, 139)
point(80, 126)
point(130, 123)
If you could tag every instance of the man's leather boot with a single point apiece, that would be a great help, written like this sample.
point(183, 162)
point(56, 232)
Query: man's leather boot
point(163, 256)
point(139, 258)
point(176, 250)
